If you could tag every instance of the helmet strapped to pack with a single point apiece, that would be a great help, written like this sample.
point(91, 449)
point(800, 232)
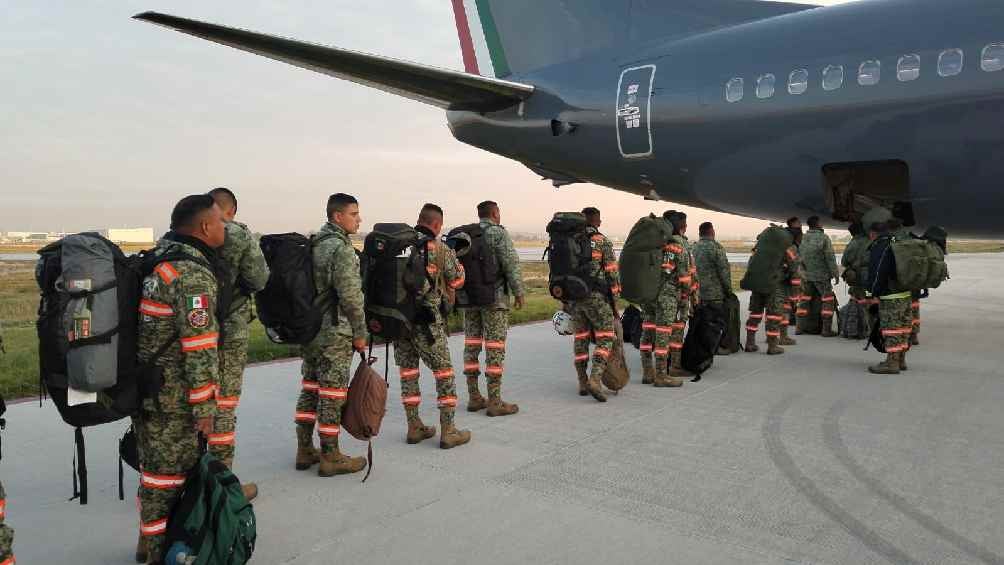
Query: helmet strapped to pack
point(569, 256)
point(563, 323)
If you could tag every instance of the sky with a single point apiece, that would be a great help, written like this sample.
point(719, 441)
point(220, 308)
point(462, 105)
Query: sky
point(109, 121)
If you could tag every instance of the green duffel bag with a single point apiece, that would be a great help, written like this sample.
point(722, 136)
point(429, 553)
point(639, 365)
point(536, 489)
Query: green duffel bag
point(641, 259)
point(764, 272)
point(920, 264)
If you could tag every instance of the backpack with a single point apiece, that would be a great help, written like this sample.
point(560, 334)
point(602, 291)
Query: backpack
point(212, 523)
point(87, 329)
point(366, 407)
point(289, 305)
point(617, 374)
point(631, 322)
point(764, 273)
point(920, 264)
point(569, 255)
point(480, 265)
point(395, 267)
point(707, 328)
point(733, 323)
point(641, 259)
point(852, 321)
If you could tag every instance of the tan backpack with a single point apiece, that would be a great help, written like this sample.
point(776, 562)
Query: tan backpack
point(366, 406)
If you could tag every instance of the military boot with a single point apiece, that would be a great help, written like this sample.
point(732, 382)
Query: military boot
point(595, 388)
point(914, 339)
point(902, 362)
point(583, 380)
point(419, 432)
point(664, 381)
point(785, 340)
point(500, 408)
point(828, 329)
point(772, 346)
point(335, 463)
point(451, 437)
point(476, 403)
point(647, 376)
point(676, 369)
point(306, 457)
point(751, 342)
point(140, 550)
point(888, 367)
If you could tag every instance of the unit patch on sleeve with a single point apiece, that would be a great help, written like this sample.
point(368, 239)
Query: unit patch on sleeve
point(198, 318)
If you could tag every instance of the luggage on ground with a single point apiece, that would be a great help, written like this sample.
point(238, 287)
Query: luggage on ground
point(852, 321)
point(641, 259)
point(733, 324)
point(631, 322)
point(707, 328)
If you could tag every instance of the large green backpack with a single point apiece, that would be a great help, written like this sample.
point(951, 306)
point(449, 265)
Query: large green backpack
point(213, 523)
point(641, 259)
point(920, 264)
point(764, 273)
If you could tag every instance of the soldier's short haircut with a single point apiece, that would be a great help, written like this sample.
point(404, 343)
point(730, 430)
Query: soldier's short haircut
point(430, 213)
point(590, 212)
point(813, 222)
point(856, 229)
point(705, 228)
point(792, 221)
point(486, 208)
point(189, 210)
point(225, 197)
point(339, 202)
point(675, 218)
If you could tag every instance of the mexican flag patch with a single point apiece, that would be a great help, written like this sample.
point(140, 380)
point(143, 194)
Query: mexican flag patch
point(198, 302)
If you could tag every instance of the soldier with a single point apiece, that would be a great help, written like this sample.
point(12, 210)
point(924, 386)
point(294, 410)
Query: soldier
point(901, 232)
point(594, 315)
point(487, 326)
point(820, 268)
point(713, 268)
point(690, 295)
point(794, 291)
point(327, 359)
point(428, 342)
point(771, 303)
point(855, 264)
point(895, 314)
point(664, 315)
point(179, 335)
point(248, 274)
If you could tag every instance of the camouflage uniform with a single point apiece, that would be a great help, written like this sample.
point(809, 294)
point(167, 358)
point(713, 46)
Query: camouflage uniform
point(178, 306)
point(6, 533)
point(855, 260)
point(712, 265)
point(327, 359)
point(820, 269)
point(904, 233)
point(895, 315)
point(593, 316)
point(773, 303)
point(663, 324)
point(248, 274)
point(487, 326)
point(429, 343)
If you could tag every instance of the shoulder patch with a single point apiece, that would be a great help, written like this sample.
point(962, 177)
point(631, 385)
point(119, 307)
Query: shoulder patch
point(198, 318)
point(197, 302)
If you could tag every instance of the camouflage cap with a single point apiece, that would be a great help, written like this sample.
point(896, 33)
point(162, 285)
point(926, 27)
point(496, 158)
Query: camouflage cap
point(877, 215)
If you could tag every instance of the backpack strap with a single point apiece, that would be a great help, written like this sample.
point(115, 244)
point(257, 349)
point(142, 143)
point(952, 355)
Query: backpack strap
point(322, 296)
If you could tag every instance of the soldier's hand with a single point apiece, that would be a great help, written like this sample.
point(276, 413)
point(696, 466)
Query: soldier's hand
point(204, 425)
point(359, 344)
point(520, 302)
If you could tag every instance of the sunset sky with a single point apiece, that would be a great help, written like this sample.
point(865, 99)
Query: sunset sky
point(108, 121)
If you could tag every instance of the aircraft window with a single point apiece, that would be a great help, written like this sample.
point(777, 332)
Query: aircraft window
point(765, 86)
point(908, 68)
point(869, 73)
point(798, 81)
point(734, 90)
point(993, 57)
point(950, 62)
point(833, 77)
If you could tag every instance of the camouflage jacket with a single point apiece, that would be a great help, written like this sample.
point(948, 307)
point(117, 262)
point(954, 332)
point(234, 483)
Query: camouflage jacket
point(510, 275)
point(791, 267)
point(855, 258)
point(336, 274)
point(678, 266)
point(445, 272)
point(817, 255)
point(179, 307)
point(603, 264)
point(713, 268)
point(248, 274)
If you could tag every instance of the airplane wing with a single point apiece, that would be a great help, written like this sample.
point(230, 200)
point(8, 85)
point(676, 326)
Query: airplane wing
point(444, 88)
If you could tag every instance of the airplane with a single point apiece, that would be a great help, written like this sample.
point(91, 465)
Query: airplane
point(750, 107)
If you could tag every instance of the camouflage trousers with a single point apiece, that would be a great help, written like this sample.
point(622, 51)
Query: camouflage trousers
point(818, 296)
point(593, 318)
point(793, 297)
point(663, 325)
point(769, 306)
point(325, 388)
point(427, 344)
point(915, 307)
point(233, 358)
point(485, 327)
point(168, 448)
point(859, 295)
point(6, 532)
point(896, 319)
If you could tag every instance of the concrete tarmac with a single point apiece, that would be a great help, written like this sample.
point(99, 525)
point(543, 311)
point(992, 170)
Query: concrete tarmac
point(804, 458)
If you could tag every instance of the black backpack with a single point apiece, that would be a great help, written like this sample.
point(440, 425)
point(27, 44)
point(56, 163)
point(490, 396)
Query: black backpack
point(394, 264)
point(569, 255)
point(707, 328)
point(480, 265)
point(117, 300)
point(631, 322)
point(289, 306)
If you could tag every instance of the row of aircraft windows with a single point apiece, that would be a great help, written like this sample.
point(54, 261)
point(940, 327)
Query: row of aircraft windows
point(950, 63)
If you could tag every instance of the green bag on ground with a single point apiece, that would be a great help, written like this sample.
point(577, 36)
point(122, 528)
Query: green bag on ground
point(920, 264)
point(213, 522)
point(764, 273)
point(641, 259)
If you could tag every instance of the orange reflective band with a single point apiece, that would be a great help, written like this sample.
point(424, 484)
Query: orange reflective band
point(896, 349)
point(155, 309)
point(447, 401)
point(493, 370)
point(457, 283)
point(611, 267)
point(674, 248)
point(601, 335)
point(897, 331)
point(597, 237)
point(597, 255)
point(915, 304)
point(802, 312)
point(916, 322)
point(792, 255)
point(773, 334)
point(775, 318)
point(432, 269)
point(411, 400)
point(473, 341)
point(679, 325)
point(645, 347)
point(409, 374)
point(602, 352)
point(785, 322)
point(661, 352)
point(149, 480)
point(582, 335)
point(222, 439)
point(495, 345)
point(664, 329)
point(827, 313)
point(443, 374)
point(333, 393)
point(201, 394)
point(310, 386)
point(752, 328)
point(676, 346)
point(155, 528)
point(472, 366)
point(647, 326)
point(796, 282)
point(200, 342)
point(787, 306)
point(3, 508)
point(305, 417)
point(685, 279)
point(756, 316)
point(830, 298)
point(9, 561)
point(669, 266)
point(329, 429)
point(166, 272)
point(583, 357)
point(227, 402)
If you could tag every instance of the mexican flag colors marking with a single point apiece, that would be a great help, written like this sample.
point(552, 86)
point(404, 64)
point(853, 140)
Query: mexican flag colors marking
point(480, 43)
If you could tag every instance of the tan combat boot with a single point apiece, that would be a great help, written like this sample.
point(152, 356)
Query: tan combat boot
point(140, 550)
point(476, 403)
point(499, 408)
point(335, 463)
point(583, 381)
point(676, 369)
point(888, 367)
point(772, 347)
point(751, 342)
point(451, 437)
point(306, 457)
point(785, 340)
point(664, 381)
point(647, 376)
point(902, 362)
point(419, 432)
point(595, 388)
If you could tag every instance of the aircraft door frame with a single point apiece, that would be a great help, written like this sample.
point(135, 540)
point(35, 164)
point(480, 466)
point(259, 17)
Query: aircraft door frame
point(633, 112)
